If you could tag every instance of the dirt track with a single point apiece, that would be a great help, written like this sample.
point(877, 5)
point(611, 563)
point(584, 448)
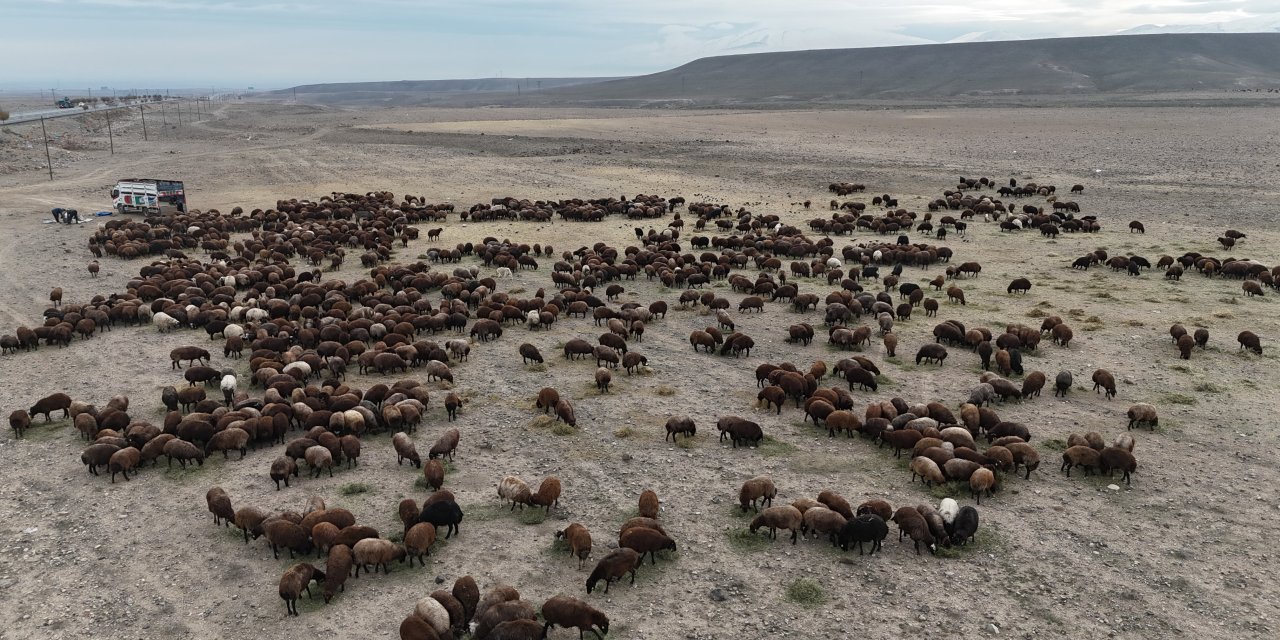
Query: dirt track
point(1184, 551)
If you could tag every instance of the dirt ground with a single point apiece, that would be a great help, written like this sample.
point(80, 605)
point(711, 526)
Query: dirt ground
point(1185, 551)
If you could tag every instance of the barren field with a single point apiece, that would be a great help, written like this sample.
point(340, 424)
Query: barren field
point(1186, 550)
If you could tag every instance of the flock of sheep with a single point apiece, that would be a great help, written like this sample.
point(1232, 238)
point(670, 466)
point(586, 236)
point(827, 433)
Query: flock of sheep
point(303, 333)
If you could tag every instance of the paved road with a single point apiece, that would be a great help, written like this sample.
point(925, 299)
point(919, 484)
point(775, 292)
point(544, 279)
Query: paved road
point(31, 116)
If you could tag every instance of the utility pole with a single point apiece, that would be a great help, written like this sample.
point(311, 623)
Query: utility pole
point(143, 112)
point(47, 158)
point(111, 138)
point(178, 106)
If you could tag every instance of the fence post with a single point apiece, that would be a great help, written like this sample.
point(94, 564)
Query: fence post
point(47, 157)
point(143, 112)
point(111, 138)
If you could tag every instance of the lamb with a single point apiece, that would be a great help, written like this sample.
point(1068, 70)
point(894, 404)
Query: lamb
point(319, 459)
point(418, 541)
point(1079, 456)
point(123, 461)
point(1062, 384)
point(680, 425)
point(337, 568)
point(927, 470)
point(377, 552)
point(645, 540)
point(612, 567)
point(219, 504)
point(964, 526)
point(1103, 380)
point(514, 489)
point(405, 450)
point(649, 504)
point(567, 612)
point(548, 494)
point(864, 528)
point(295, 580)
point(1143, 414)
point(579, 541)
point(49, 404)
point(758, 488)
point(982, 480)
point(783, 517)
point(1113, 458)
point(911, 523)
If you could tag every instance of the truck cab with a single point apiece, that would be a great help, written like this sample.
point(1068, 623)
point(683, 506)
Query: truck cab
point(149, 196)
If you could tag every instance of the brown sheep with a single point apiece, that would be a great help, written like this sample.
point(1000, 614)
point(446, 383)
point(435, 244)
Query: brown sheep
point(409, 512)
point(579, 541)
point(468, 593)
point(337, 568)
point(927, 470)
point(649, 504)
point(281, 468)
point(324, 535)
point(565, 611)
point(248, 519)
point(295, 580)
point(19, 420)
point(547, 399)
point(319, 459)
point(433, 472)
point(758, 488)
point(1103, 380)
point(1141, 414)
point(821, 521)
point(1185, 343)
point(452, 403)
point(514, 489)
point(645, 540)
point(1202, 338)
point(418, 541)
point(548, 494)
point(1079, 456)
point(405, 450)
point(1113, 458)
point(783, 517)
point(445, 445)
point(220, 506)
point(55, 402)
point(603, 379)
point(911, 522)
point(377, 552)
point(612, 567)
point(1247, 339)
point(282, 533)
point(836, 503)
point(123, 461)
point(680, 425)
point(564, 412)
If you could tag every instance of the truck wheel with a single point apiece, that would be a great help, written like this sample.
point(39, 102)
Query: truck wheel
point(120, 209)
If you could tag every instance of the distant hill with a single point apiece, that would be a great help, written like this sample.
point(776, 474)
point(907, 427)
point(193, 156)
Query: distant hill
point(1106, 64)
point(419, 91)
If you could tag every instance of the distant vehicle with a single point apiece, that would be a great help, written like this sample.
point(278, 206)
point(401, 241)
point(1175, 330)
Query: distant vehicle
point(149, 196)
point(65, 103)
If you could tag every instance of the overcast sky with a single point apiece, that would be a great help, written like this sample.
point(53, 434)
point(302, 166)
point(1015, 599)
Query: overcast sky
point(242, 43)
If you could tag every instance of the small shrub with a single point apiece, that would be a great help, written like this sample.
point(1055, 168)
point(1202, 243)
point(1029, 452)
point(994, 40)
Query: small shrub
point(806, 593)
point(1036, 313)
point(1135, 323)
point(1178, 398)
point(1180, 367)
point(564, 429)
point(624, 432)
point(543, 421)
point(1208, 387)
point(533, 516)
point(1075, 313)
point(664, 390)
point(770, 447)
point(1057, 444)
point(4, 115)
point(354, 488)
point(1224, 314)
point(536, 367)
point(744, 540)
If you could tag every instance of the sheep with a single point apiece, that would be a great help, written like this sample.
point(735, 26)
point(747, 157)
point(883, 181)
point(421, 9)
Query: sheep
point(603, 379)
point(1103, 380)
point(927, 470)
point(739, 430)
point(227, 440)
point(405, 450)
point(445, 513)
point(1113, 458)
point(1079, 456)
point(1143, 414)
point(228, 386)
point(947, 509)
point(415, 628)
point(680, 425)
point(612, 567)
point(964, 525)
point(579, 541)
point(567, 612)
point(19, 420)
point(783, 517)
point(468, 593)
point(295, 580)
point(1124, 441)
point(219, 504)
point(418, 541)
point(982, 480)
point(436, 615)
point(337, 568)
point(529, 353)
point(433, 473)
point(867, 527)
point(1032, 384)
point(877, 507)
point(900, 439)
point(758, 488)
point(821, 520)
point(514, 489)
point(1023, 455)
point(836, 503)
point(445, 445)
point(911, 523)
point(281, 468)
point(190, 354)
point(49, 404)
point(163, 322)
point(564, 412)
point(248, 520)
point(1201, 337)
point(1062, 384)
point(1247, 339)
point(548, 493)
point(645, 540)
point(123, 461)
point(377, 552)
point(457, 612)
point(521, 629)
point(649, 504)
point(318, 459)
point(502, 614)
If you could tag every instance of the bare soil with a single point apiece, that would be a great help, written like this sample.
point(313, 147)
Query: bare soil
point(1185, 551)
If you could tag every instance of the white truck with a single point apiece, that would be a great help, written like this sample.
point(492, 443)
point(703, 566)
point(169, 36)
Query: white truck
point(149, 196)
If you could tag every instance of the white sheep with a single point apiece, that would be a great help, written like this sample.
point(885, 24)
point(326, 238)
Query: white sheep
point(256, 315)
point(233, 331)
point(164, 322)
point(533, 317)
point(834, 263)
point(434, 613)
point(303, 369)
point(377, 331)
point(948, 509)
point(228, 386)
point(503, 272)
point(228, 281)
point(877, 255)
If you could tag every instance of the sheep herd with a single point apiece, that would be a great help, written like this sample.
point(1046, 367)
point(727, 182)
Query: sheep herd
point(305, 333)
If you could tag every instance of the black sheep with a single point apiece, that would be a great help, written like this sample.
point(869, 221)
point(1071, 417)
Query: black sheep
point(964, 526)
point(442, 514)
point(1015, 361)
point(864, 528)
